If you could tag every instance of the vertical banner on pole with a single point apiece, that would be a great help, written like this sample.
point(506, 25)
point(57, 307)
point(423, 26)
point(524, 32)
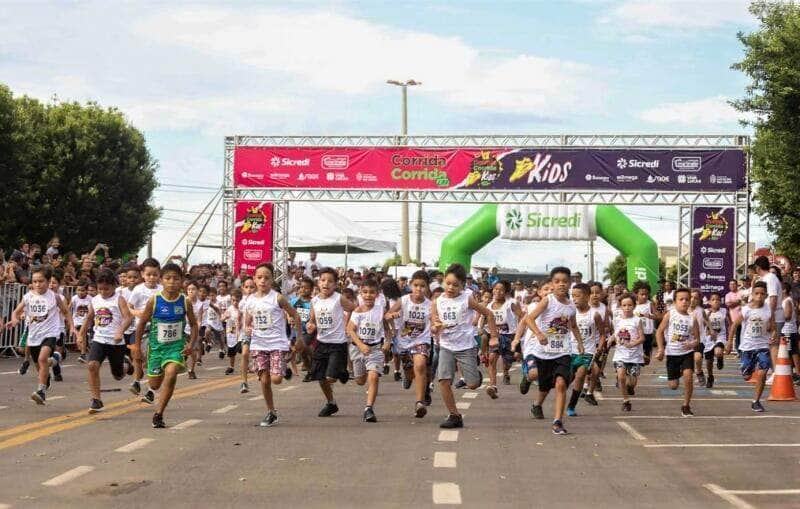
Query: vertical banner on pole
point(713, 248)
point(253, 235)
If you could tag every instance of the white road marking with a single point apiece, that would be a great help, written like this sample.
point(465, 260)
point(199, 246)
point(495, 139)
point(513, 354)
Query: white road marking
point(732, 499)
point(5, 506)
point(138, 444)
point(9, 372)
point(444, 459)
point(53, 398)
point(676, 398)
point(485, 380)
point(187, 424)
point(446, 493)
point(448, 435)
point(3, 407)
point(709, 417)
point(290, 388)
point(225, 409)
point(764, 492)
point(215, 367)
point(470, 395)
point(627, 427)
point(722, 445)
point(463, 405)
point(255, 398)
point(482, 387)
point(719, 392)
point(68, 476)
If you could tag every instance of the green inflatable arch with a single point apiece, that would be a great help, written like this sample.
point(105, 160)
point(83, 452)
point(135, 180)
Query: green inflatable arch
point(639, 249)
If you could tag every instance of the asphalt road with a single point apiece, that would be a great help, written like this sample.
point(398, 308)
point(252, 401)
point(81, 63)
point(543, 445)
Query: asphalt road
point(214, 455)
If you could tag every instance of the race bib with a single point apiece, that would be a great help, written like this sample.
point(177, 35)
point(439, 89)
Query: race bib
point(325, 320)
point(168, 332)
point(680, 332)
point(368, 332)
point(451, 316)
point(262, 320)
point(304, 313)
point(557, 343)
point(38, 308)
point(756, 328)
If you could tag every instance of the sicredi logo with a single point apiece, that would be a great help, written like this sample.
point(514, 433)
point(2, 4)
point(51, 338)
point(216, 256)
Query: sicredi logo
point(276, 161)
point(623, 164)
point(538, 220)
point(687, 163)
point(513, 219)
point(335, 162)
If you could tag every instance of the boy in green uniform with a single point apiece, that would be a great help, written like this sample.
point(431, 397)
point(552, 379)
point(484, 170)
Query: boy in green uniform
point(167, 312)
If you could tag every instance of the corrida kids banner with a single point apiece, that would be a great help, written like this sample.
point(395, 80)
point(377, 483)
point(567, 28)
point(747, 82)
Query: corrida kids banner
point(713, 249)
point(252, 238)
point(488, 168)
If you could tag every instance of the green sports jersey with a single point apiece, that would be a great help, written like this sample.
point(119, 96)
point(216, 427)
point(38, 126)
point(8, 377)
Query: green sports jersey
point(168, 322)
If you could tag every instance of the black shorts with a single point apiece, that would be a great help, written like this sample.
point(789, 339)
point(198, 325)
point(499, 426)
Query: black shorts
point(794, 342)
point(709, 355)
point(36, 350)
point(233, 350)
point(114, 353)
point(676, 364)
point(550, 369)
point(700, 347)
point(649, 339)
point(60, 340)
point(202, 332)
point(329, 360)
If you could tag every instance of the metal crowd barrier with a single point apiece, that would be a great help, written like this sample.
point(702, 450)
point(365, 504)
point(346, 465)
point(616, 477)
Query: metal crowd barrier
point(10, 296)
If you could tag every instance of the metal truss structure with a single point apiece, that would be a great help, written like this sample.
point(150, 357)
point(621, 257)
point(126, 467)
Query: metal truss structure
point(686, 201)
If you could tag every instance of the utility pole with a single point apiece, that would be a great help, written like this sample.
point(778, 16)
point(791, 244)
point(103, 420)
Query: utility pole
point(591, 260)
point(405, 254)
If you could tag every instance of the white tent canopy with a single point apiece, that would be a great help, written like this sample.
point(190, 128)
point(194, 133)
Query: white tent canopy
point(326, 231)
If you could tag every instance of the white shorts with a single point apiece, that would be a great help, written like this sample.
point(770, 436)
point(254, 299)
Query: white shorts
point(373, 361)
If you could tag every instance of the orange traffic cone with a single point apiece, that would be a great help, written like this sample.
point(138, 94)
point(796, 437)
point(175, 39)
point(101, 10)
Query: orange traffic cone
point(782, 388)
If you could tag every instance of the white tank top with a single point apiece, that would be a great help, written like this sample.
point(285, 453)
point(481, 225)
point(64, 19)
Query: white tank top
point(628, 332)
point(369, 325)
point(790, 325)
point(700, 316)
point(554, 323)
point(41, 313)
point(589, 332)
point(197, 307)
point(504, 317)
point(755, 322)
point(456, 318)
point(107, 318)
point(601, 310)
point(80, 308)
point(716, 322)
point(678, 333)
point(269, 322)
point(640, 310)
point(414, 323)
point(329, 316)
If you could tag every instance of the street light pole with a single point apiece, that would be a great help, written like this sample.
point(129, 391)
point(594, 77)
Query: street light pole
point(405, 254)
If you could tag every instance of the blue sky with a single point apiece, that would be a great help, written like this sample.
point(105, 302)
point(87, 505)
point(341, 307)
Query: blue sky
point(187, 74)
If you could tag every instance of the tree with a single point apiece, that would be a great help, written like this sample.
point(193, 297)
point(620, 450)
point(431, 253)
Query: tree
point(81, 172)
point(772, 62)
point(616, 272)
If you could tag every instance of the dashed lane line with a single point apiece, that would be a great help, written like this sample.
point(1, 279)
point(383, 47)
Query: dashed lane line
point(721, 445)
point(443, 459)
point(446, 493)
point(469, 395)
point(136, 444)
point(725, 495)
point(631, 431)
point(69, 475)
point(225, 409)
point(626, 417)
point(463, 405)
point(448, 435)
point(290, 388)
point(187, 424)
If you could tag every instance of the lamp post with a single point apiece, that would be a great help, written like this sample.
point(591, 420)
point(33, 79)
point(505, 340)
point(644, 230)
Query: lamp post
point(404, 237)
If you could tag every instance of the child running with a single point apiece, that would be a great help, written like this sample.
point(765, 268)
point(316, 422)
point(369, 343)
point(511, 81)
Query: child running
point(42, 309)
point(248, 287)
point(302, 303)
point(629, 354)
point(111, 318)
point(599, 308)
point(591, 326)
point(214, 329)
point(678, 335)
point(369, 344)
point(140, 296)
point(717, 336)
point(198, 310)
point(79, 307)
point(329, 360)
point(451, 319)
point(507, 314)
point(168, 312)
point(646, 312)
point(413, 315)
point(548, 334)
point(696, 309)
point(758, 323)
point(266, 326)
point(232, 329)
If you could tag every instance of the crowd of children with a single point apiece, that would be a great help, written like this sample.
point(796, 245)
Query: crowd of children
point(436, 329)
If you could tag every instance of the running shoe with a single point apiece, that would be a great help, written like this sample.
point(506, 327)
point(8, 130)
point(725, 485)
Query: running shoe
point(307, 378)
point(686, 411)
point(96, 406)
point(82, 358)
point(757, 406)
point(23, 368)
point(135, 388)
point(369, 415)
point(243, 388)
point(208, 348)
point(58, 377)
point(286, 374)
point(537, 412)
point(229, 371)
point(626, 406)
point(571, 412)
point(149, 397)
point(590, 399)
point(427, 401)
point(385, 369)
point(271, 419)
point(221, 354)
point(461, 383)
point(397, 376)
point(506, 379)
point(452, 421)
point(192, 375)
point(710, 381)
point(39, 397)
point(524, 385)
point(128, 366)
point(720, 363)
point(158, 421)
point(420, 410)
point(328, 410)
point(57, 367)
point(492, 391)
point(558, 428)
point(406, 382)
point(701, 379)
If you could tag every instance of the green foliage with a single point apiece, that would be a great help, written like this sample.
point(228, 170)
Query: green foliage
point(772, 62)
point(77, 171)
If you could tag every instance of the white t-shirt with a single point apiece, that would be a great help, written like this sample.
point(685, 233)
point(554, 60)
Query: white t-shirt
point(790, 325)
point(107, 319)
point(369, 325)
point(231, 324)
point(588, 327)
point(774, 289)
point(554, 322)
point(41, 313)
point(717, 323)
point(141, 295)
point(310, 265)
point(80, 308)
point(329, 318)
point(269, 322)
point(627, 332)
point(456, 317)
point(678, 333)
point(415, 323)
point(126, 293)
point(639, 311)
point(504, 317)
point(755, 322)
point(199, 314)
point(213, 319)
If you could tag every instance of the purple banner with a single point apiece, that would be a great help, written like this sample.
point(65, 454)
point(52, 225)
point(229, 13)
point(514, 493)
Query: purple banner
point(713, 249)
point(598, 169)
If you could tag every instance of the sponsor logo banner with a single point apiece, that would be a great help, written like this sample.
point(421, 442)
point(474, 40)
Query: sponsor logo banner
point(713, 249)
point(546, 222)
point(488, 168)
point(252, 238)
